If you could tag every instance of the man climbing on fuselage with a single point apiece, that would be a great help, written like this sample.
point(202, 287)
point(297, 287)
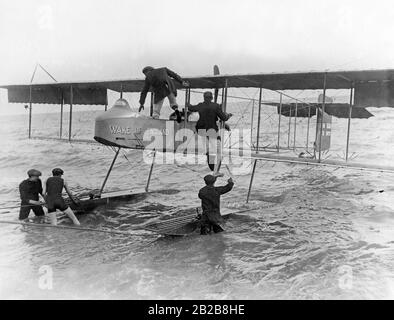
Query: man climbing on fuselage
point(161, 82)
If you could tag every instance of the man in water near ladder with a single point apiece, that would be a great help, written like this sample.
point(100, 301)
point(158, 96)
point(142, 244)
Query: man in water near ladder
point(160, 81)
point(210, 202)
point(30, 190)
point(53, 188)
point(209, 113)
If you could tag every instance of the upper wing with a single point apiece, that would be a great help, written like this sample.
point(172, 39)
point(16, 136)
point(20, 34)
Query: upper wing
point(372, 87)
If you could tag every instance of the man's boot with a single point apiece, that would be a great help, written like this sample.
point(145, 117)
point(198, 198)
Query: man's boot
point(178, 116)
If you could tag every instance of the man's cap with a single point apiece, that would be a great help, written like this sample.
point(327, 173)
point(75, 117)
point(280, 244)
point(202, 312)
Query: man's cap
point(147, 69)
point(209, 179)
point(57, 171)
point(33, 173)
point(208, 94)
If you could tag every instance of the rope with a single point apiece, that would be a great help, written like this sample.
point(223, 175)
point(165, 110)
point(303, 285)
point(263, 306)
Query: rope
point(46, 72)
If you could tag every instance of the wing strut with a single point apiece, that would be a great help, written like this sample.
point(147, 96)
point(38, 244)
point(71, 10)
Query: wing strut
point(71, 113)
point(219, 148)
point(348, 121)
point(258, 121)
point(150, 171)
point(322, 112)
point(251, 180)
point(108, 173)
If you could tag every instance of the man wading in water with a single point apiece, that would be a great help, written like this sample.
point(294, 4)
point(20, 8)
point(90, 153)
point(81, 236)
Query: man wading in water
point(53, 194)
point(210, 202)
point(29, 190)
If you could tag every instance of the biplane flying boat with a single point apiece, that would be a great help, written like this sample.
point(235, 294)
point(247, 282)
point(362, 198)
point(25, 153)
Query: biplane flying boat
point(121, 127)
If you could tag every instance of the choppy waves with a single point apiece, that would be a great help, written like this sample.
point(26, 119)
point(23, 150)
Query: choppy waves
point(309, 233)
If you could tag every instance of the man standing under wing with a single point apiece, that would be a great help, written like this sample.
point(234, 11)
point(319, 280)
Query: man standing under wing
point(161, 82)
point(53, 193)
point(209, 113)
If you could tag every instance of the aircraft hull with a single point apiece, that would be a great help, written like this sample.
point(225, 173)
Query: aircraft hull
point(122, 127)
point(141, 133)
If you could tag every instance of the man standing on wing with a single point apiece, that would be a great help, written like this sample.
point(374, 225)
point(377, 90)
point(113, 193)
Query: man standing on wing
point(161, 82)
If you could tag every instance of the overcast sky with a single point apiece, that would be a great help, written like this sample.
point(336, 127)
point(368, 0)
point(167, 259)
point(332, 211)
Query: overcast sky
point(89, 40)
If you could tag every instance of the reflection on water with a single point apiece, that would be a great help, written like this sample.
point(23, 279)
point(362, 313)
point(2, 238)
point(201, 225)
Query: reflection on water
point(309, 233)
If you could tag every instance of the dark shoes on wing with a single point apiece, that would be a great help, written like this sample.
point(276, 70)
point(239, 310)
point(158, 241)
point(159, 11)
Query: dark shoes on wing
point(178, 116)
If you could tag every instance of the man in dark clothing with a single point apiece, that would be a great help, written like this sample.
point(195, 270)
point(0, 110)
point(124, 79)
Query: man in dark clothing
point(53, 193)
point(160, 81)
point(210, 202)
point(209, 114)
point(29, 190)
